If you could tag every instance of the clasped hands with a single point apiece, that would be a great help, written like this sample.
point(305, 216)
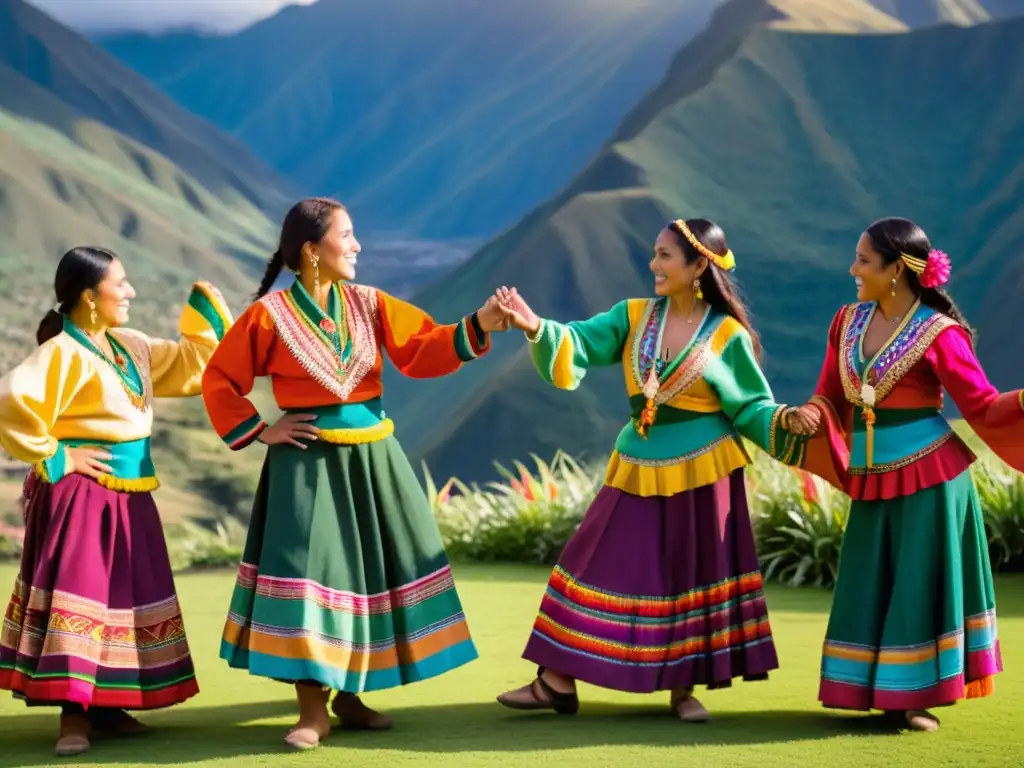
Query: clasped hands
point(507, 309)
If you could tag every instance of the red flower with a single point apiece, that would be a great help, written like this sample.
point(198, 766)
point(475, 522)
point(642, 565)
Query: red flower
point(121, 362)
point(327, 325)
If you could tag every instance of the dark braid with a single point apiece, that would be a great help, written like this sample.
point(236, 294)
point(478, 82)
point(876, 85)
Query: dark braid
point(274, 267)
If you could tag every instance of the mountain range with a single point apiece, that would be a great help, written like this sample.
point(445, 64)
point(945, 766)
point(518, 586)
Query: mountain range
point(567, 132)
point(794, 141)
point(93, 153)
point(434, 118)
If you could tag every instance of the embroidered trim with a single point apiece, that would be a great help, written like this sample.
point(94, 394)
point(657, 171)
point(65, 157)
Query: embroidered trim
point(657, 463)
point(906, 461)
point(689, 370)
point(773, 430)
point(339, 377)
point(897, 358)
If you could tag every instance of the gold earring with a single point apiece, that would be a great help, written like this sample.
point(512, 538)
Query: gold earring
point(316, 276)
point(892, 292)
point(697, 292)
point(92, 314)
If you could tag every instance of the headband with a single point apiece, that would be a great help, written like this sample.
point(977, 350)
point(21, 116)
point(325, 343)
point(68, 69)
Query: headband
point(933, 271)
point(726, 262)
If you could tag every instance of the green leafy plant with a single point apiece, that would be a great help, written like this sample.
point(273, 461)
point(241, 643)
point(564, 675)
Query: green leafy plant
point(527, 519)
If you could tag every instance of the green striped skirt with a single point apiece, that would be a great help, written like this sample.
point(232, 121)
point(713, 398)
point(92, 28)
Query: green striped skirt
point(344, 579)
point(913, 621)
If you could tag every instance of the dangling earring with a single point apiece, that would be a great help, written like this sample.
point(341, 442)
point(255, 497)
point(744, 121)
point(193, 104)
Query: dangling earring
point(697, 291)
point(316, 277)
point(893, 291)
point(92, 315)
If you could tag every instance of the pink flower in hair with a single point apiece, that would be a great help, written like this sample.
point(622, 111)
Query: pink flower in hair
point(936, 273)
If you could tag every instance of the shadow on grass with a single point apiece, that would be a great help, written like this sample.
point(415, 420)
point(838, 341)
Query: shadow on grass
point(231, 731)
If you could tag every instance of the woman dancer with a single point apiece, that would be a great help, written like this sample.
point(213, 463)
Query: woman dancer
point(344, 582)
point(913, 621)
point(94, 624)
point(659, 588)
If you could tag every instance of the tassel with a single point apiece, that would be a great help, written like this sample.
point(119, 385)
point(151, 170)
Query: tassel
point(647, 418)
point(651, 386)
point(869, 421)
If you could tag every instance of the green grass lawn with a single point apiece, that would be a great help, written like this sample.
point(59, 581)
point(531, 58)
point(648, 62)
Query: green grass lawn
point(454, 721)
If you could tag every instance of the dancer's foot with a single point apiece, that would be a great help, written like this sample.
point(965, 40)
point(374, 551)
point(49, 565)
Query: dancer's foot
point(314, 723)
point(547, 691)
point(354, 714)
point(116, 722)
point(75, 732)
point(687, 708)
point(922, 720)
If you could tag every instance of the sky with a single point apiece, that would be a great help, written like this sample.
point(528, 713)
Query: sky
point(158, 15)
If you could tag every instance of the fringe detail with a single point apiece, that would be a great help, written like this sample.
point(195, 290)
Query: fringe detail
point(358, 436)
point(978, 689)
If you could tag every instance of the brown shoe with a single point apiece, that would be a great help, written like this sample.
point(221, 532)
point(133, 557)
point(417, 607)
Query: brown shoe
point(540, 695)
point(354, 714)
point(75, 732)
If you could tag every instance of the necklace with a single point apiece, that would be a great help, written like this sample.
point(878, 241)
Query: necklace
point(120, 361)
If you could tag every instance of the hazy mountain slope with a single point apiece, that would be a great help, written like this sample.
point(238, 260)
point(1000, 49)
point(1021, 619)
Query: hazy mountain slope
point(95, 85)
point(442, 118)
point(794, 142)
point(107, 189)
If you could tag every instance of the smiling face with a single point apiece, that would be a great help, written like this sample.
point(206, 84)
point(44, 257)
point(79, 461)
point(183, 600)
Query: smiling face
point(672, 274)
point(338, 250)
point(871, 274)
point(111, 297)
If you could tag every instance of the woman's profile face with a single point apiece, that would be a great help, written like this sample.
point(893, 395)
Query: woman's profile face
point(112, 296)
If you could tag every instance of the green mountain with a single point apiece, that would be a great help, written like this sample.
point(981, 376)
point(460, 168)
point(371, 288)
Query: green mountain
point(437, 118)
point(97, 87)
point(92, 153)
point(794, 142)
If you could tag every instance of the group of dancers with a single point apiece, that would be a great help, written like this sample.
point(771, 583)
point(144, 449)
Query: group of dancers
point(344, 583)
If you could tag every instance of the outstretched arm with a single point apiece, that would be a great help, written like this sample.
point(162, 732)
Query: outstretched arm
point(562, 352)
point(421, 348)
point(997, 418)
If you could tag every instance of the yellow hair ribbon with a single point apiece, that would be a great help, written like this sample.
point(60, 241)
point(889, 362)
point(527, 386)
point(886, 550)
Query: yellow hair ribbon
point(724, 261)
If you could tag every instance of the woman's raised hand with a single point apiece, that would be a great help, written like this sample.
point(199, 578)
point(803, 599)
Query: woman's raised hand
point(519, 313)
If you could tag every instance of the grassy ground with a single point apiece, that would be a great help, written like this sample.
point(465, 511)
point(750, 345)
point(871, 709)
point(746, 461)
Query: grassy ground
point(454, 718)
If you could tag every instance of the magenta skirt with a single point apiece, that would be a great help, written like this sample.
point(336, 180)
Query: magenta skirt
point(94, 618)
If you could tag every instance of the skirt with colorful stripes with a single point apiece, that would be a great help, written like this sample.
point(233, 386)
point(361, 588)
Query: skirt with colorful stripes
point(344, 580)
point(658, 593)
point(913, 621)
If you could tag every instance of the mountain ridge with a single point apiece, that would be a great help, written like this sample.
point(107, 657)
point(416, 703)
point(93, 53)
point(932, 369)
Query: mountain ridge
point(788, 117)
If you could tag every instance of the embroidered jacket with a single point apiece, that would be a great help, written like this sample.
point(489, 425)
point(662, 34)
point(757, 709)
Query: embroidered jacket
point(329, 364)
point(710, 395)
point(912, 446)
point(68, 393)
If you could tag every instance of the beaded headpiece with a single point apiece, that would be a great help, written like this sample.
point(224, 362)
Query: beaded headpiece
point(726, 262)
